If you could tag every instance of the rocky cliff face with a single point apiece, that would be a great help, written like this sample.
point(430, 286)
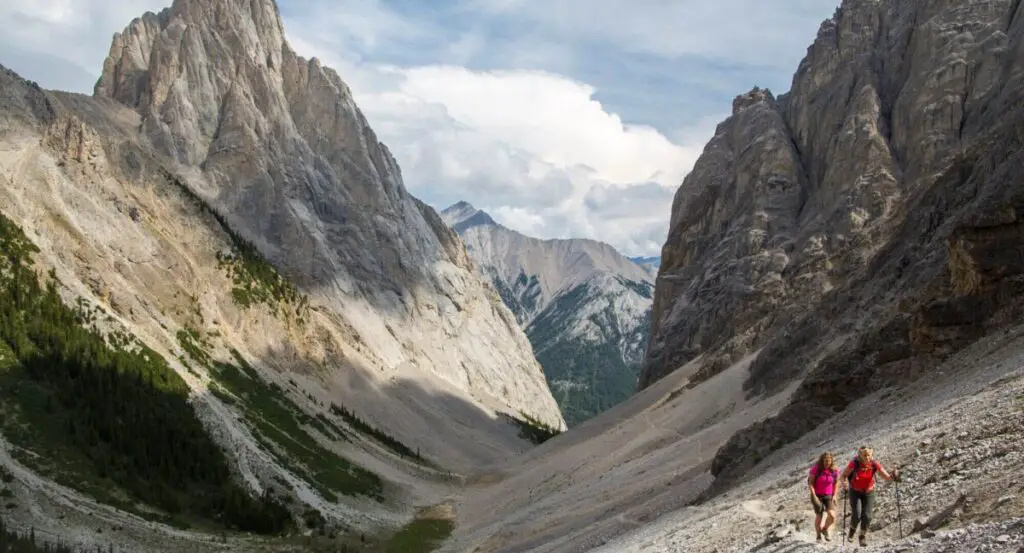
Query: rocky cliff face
point(585, 308)
point(858, 229)
point(220, 221)
point(277, 144)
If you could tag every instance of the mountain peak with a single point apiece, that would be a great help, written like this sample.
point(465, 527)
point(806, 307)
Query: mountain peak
point(196, 39)
point(462, 215)
point(277, 145)
point(757, 95)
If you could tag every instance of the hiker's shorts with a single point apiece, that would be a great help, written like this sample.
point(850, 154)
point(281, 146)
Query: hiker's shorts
point(826, 504)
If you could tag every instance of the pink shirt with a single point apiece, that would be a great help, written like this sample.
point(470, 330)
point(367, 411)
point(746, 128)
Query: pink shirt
point(825, 483)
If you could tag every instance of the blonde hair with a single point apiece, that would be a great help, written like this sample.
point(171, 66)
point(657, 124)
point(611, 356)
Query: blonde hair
point(865, 451)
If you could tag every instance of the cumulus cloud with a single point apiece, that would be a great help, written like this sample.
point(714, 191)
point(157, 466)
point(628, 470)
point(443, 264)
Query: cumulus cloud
point(62, 43)
point(626, 203)
point(632, 218)
point(577, 118)
point(534, 149)
point(553, 119)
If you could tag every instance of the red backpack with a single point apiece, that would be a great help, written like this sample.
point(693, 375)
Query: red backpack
point(861, 480)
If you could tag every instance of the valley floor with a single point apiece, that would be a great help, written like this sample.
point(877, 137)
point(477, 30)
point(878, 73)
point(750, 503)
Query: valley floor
point(957, 442)
point(957, 436)
point(623, 483)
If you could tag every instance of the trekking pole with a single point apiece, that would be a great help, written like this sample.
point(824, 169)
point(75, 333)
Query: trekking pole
point(899, 514)
point(842, 538)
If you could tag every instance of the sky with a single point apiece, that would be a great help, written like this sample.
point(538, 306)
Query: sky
point(560, 118)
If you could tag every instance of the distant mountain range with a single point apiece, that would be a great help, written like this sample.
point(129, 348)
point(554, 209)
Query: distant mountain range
point(586, 308)
point(650, 264)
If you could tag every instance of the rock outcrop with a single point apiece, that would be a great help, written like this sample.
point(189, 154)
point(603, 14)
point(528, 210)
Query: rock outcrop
point(860, 228)
point(585, 308)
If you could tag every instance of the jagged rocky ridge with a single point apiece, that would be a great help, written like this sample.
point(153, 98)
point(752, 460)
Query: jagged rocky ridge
point(367, 350)
point(584, 307)
point(859, 229)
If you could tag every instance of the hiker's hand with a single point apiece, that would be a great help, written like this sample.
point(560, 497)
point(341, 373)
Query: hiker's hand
point(896, 475)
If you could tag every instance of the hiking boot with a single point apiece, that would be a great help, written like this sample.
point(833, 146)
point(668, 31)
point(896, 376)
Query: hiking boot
point(853, 534)
point(863, 540)
point(825, 535)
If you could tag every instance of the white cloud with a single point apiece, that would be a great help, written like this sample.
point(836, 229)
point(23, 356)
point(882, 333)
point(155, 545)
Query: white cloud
point(551, 118)
point(78, 31)
point(533, 148)
point(523, 220)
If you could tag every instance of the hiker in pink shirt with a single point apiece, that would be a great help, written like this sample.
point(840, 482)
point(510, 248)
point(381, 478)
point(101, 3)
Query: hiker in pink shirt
point(823, 481)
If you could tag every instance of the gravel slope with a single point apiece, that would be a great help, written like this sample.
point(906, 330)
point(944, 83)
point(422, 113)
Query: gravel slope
point(958, 437)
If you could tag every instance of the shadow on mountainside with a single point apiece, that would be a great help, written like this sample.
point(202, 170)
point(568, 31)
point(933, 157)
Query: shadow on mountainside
point(400, 274)
point(96, 138)
point(428, 416)
point(295, 425)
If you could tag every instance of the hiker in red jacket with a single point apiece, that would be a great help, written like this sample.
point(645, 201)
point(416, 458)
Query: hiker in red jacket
point(823, 480)
point(861, 475)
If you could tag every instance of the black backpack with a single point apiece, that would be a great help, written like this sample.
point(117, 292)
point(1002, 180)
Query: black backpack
point(856, 467)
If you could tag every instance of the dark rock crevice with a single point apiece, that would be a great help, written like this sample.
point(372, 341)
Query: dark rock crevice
point(1014, 12)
